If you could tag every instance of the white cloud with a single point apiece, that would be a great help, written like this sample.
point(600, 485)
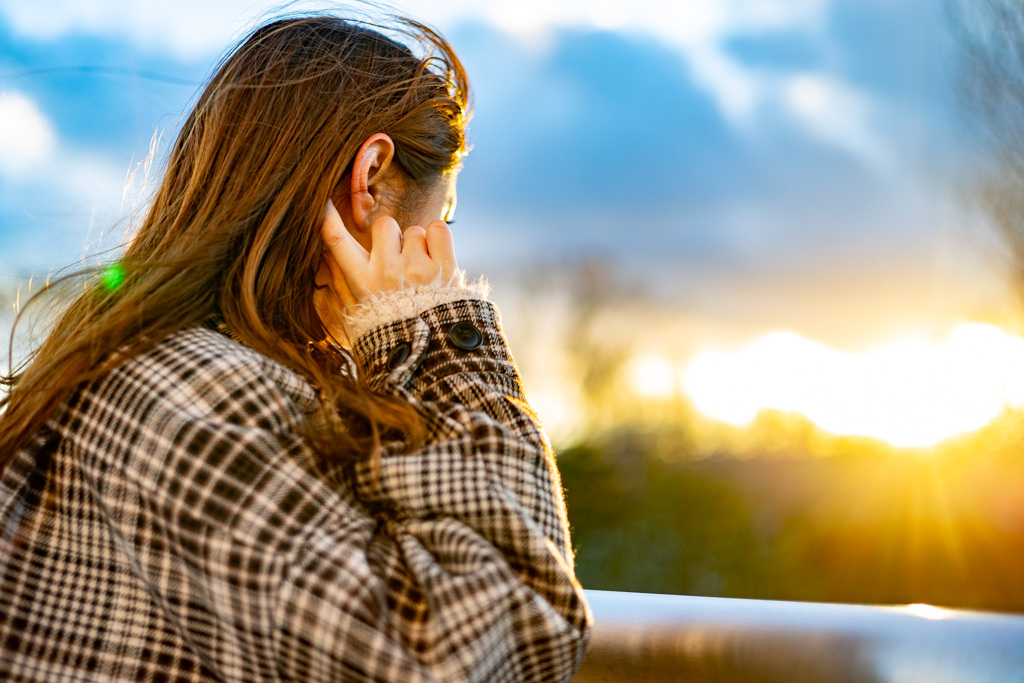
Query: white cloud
point(200, 28)
point(838, 114)
point(188, 29)
point(697, 28)
point(32, 156)
point(27, 137)
point(679, 23)
point(830, 111)
point(41, 174)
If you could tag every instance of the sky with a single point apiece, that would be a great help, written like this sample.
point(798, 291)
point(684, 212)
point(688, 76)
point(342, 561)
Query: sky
point(750, 163)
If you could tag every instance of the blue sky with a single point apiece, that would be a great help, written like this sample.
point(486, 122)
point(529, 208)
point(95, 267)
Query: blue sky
point(754, 159)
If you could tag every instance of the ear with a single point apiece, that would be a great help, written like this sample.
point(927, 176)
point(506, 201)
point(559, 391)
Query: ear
point(370, 174)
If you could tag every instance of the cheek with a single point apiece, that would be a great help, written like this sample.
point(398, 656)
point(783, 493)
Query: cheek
point(433, 211)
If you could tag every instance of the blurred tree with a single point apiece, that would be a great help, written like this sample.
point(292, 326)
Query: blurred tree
point(641, 523)
point(990, 34)
point(867, 524)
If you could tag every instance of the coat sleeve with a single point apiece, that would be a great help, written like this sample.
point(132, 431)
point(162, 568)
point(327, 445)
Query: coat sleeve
point(466, 572)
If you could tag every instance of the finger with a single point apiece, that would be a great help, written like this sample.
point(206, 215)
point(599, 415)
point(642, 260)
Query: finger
point(348, 254)
point(441, 247)
point(386, 239)
point(339, 284)
point(414, 242)
point(421, 269)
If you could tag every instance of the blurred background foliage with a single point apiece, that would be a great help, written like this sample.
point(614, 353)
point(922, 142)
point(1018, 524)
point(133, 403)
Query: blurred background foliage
point(662, 499)
point(865, 523)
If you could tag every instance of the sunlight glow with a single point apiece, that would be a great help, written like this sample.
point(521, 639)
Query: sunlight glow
point(924, 611)
point(557, 407)
point(912, 392)
point(653, 376)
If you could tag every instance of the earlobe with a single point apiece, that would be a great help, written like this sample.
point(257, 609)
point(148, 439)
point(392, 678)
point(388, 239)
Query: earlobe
point(369, 171)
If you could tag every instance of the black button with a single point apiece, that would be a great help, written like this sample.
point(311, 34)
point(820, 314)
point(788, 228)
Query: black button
point(465, 336)
point(399, 354)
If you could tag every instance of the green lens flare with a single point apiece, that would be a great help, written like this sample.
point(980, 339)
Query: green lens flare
point(112, 277)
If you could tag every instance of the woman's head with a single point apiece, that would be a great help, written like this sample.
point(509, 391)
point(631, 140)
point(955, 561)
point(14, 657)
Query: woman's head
point(286, 123)
point(277, 132)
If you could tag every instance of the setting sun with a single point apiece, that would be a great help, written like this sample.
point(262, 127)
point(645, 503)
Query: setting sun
point(911, 392)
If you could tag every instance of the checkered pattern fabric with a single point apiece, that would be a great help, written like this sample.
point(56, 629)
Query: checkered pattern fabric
point(170, 524)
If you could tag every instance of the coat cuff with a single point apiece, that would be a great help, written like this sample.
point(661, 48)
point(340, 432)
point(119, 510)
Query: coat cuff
point(430, 353)
point(409, 302)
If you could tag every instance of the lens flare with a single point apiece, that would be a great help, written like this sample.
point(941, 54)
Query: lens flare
point(112, 277)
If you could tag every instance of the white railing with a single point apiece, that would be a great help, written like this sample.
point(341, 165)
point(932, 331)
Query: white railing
point(645, 637)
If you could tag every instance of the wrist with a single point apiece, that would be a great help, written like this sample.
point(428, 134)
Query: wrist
point(408, 301)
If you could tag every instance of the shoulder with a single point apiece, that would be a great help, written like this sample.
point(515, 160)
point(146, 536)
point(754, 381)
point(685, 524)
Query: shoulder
point(200, 371)
point(205, 430)
point(194, 394)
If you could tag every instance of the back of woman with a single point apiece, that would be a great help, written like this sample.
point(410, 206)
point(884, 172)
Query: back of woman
point(282, 437)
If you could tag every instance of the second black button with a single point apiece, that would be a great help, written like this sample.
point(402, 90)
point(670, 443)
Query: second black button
point(465, 336)
point(398, 354)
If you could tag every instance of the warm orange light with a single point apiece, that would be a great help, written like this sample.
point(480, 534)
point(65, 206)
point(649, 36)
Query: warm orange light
point(911, 392)
point(653, 376)
point(919, 609)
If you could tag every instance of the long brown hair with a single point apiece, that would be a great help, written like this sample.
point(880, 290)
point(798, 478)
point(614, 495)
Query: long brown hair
point(234, 228)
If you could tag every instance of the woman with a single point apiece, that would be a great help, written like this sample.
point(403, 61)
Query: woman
point(281, 438)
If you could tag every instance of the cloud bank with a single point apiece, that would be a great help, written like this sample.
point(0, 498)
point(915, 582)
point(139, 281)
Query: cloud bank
point(712, 136)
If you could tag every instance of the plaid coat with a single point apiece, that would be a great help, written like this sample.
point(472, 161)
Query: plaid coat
point(169, 524)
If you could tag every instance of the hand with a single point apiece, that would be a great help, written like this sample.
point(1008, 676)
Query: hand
point(395, 260)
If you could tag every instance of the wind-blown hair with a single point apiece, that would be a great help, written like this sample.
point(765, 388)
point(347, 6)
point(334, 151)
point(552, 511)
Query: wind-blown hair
point(233, 231)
